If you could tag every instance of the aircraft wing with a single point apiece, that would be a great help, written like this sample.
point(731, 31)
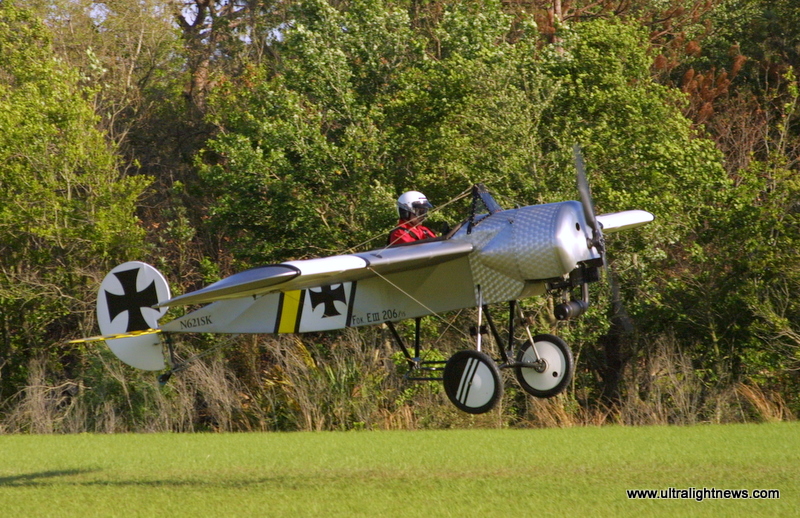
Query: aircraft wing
point(296, 275)
point(624, 220)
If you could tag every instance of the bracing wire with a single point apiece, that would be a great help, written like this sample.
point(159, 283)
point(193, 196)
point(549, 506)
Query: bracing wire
point(383, 235)
point(410, 296)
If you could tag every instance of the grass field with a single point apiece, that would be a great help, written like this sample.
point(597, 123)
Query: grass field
point(550, 472)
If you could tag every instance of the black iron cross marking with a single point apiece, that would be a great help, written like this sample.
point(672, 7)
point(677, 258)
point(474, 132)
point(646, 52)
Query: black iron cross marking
point(328, 295)
point(131, 300)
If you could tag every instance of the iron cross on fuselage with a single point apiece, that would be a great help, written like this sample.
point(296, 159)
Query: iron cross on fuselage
point(328, 295)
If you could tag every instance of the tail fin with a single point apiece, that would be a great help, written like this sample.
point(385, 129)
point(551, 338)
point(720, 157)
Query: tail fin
point(125, 305)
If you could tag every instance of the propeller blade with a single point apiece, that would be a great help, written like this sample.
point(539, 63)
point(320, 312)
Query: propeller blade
point(597, 241)
point(583, 189)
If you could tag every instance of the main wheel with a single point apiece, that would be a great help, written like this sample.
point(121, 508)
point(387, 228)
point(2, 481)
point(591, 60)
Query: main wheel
point(472, 381)
point(552, 373)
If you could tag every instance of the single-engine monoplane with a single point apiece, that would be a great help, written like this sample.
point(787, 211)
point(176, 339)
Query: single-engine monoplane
point(494, 256)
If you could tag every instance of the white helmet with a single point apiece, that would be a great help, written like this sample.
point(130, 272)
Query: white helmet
point(411, 204)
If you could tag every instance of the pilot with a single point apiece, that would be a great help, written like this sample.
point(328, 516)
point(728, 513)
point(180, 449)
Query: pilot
point(412, 207)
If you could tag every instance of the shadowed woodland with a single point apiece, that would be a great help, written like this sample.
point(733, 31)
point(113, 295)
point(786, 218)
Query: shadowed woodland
point(207, 136)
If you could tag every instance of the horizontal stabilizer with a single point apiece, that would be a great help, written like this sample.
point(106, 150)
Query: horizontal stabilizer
point(102, 338)
point(624, 220)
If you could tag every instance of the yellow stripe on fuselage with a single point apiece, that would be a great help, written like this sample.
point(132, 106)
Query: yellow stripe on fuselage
point(290, 311)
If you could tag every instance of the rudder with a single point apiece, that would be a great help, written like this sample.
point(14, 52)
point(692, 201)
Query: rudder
point(125, 304)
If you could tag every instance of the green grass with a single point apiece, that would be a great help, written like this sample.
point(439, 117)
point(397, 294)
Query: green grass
point(552, 472)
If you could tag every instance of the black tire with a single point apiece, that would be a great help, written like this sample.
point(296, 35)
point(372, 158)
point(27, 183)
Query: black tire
point(558, 370)
point(472, 381)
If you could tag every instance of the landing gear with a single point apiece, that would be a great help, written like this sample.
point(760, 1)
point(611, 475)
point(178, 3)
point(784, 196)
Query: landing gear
point(174, 365)
point(550, 373)
point(543, 365)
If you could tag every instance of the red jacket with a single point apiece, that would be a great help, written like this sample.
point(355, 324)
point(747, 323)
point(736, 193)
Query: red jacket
point(406, 233)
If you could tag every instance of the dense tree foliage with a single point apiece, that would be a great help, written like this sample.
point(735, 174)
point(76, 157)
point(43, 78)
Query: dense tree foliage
point(66, 213)
point(276, 130)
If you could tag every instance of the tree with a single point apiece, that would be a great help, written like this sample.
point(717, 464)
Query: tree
point(641, 152)
point(65, 212)
point(296, 166)
point(364, 104)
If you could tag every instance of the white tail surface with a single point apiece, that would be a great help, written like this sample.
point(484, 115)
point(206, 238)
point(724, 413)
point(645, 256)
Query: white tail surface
point(125, 304)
